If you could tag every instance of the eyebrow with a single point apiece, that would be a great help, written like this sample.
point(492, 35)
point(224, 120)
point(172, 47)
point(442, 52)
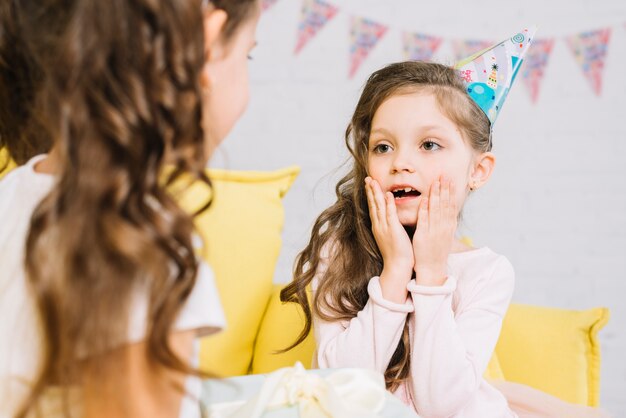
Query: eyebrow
point(381, 131)
point(427, 128)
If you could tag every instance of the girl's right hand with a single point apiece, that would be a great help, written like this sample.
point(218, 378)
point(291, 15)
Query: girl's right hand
point(393, 242)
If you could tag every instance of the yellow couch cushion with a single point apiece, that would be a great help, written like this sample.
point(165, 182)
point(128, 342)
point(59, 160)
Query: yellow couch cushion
point(242, 236)
point(494, 369)
point(554, 350)
point(6, 164)
point(281, 326)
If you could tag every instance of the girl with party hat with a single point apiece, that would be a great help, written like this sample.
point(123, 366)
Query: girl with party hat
point(393, 290)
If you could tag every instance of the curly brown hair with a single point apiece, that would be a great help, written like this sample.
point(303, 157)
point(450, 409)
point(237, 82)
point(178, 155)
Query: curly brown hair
point(120, 95)
point(21, 78)
point(345, 227)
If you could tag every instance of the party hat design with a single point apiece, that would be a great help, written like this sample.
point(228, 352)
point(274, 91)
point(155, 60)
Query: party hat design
point(364, 36)
point(419, 47)
point(315, 14)
point(489, 74)
point(266, 4)
point(535, 66)
point(590, 48)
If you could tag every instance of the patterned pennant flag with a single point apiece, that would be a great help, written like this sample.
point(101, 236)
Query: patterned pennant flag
point(419, 47)
point(589, 49)
point(266, 4)
point(364, 35)
point(535, 65)
point(467, 48)
point(315, 14)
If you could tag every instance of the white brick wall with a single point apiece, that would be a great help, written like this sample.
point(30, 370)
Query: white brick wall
point(556, 205)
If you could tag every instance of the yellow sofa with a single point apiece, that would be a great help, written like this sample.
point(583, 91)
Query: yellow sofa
point(554, 350)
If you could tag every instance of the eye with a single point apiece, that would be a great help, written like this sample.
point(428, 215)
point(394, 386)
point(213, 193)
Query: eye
point(250, 57)
point(430, 146)
point(382, 149)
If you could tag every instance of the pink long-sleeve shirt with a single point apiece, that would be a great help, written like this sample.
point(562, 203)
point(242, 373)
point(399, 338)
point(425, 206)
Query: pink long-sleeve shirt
point(453, 331)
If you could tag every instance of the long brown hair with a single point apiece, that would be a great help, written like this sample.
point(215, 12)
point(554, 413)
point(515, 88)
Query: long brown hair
point(121, 92)
point(344, 230)
point(21, 78)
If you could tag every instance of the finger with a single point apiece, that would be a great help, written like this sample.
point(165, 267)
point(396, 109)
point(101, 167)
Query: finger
point(379, 198)
point(445, 196)
point(392, 215)
point(370, 202)
point(434, 211)
point(422, 215)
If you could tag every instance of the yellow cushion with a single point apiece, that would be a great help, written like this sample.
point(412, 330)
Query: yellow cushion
point(554, 350)
point(4, 167)
point(242, 235)
point(494, 370)
point(281, 326)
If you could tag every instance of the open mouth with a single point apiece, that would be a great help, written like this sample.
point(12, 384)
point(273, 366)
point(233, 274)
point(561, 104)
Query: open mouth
point(405, 192)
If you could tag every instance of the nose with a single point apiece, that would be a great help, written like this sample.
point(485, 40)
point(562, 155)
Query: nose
point(402, 163)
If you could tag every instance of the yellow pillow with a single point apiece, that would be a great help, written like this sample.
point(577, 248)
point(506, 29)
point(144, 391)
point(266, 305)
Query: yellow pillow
point(554, 350)
point(494, 370)
point(242, 235)
point(4, 157)
point(281, 326)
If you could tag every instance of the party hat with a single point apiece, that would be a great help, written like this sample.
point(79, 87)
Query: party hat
point(489, 74)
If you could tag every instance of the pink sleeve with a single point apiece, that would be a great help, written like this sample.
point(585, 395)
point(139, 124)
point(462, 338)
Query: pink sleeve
point(450, 351)
point(367, 340)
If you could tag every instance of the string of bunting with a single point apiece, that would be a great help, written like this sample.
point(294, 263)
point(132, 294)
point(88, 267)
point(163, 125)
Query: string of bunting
point(589, 48)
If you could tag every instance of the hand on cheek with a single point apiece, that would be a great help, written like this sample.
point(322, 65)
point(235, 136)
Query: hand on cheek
point(392, 240)
point(434, 233)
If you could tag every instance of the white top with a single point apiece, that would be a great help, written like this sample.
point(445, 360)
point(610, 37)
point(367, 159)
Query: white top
point(20, 340)
point(453, 331)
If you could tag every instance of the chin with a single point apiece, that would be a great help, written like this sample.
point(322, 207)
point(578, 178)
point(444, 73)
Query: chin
point(408, 221)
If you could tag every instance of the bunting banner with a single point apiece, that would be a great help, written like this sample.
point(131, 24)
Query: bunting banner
point(364, 35)
point(315, 14)
point(419, 47)
point(535, 65)
point(466, 48)
point(589, 49)
point(266, 4)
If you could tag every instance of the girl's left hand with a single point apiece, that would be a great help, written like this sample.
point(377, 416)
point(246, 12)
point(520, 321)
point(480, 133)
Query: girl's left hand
point(434, 233)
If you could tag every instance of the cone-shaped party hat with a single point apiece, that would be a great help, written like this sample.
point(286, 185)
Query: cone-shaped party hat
point(489, 74)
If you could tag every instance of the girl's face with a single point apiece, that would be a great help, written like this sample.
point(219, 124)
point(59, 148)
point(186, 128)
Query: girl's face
point(412, 144)
point(225, 81)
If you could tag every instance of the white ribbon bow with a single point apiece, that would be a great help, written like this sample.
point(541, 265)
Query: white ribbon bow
point(346, 393)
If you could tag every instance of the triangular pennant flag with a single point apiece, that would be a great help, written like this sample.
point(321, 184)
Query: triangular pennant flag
point(489, 74)
point(266, 4)
point(467, 48)
point(315, 14)
point(589, 49)
point(419, 47)
point(536, 62)
point(364, 35)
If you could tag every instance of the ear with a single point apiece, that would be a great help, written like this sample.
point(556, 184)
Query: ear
point(481, 170)
point(214, 21)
